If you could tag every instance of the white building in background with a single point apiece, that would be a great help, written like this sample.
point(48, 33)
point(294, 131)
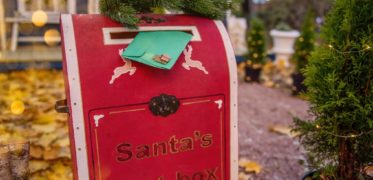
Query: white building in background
point(237, 28)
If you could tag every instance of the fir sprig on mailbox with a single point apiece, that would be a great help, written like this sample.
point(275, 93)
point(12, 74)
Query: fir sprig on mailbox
point(126, 11)
point(339, 79)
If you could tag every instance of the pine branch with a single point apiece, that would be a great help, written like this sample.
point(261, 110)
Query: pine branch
point(126, 11)
point(214, 9)
point(121, 12)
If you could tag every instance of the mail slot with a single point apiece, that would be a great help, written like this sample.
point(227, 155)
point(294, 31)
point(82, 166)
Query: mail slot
point(132, 121)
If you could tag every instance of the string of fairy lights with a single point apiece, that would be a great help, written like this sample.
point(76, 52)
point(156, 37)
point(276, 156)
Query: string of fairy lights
point(352, 135)
point(367, 47)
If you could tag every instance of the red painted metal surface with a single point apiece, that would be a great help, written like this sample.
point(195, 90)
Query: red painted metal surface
point(194, 141)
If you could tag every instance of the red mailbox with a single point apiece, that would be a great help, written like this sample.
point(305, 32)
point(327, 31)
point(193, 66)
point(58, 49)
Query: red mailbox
point(132, 121)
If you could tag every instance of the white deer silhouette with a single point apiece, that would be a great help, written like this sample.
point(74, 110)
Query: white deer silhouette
point(126, 68)
point(192, 63)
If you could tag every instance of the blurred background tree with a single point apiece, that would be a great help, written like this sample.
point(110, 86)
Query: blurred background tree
point(305, 43)
point(256, 42)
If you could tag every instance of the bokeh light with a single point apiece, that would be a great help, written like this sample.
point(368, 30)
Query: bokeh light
point(17, 107)
point(52, 37)
point(39, 18)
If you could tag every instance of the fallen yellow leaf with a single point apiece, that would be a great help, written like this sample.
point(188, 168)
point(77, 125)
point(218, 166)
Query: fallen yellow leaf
point(16, 94)
point(285, 130)
point(61, 172)
point(64, 152)
point(4, 138)
point(3, 78)
point(45, 140)
point(253, 167)
point(44, 118)
point(63, 142)
point(36, 152)
point(51, 154)
point(36, 165)
point(250, 166)
point(47, 128)
point(243, 176)
point(17, 138)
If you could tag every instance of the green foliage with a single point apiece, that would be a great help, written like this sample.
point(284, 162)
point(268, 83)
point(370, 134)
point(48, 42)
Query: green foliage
point(282, 26)
point(339, 79)
point(236, 8)
point(125, 11)
point(214, 9)
point(305, 43)
point(256, 42)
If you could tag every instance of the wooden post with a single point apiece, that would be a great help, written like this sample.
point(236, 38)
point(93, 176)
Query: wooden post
point(4, 162)
point(13, 44)
point(19, 160)
point(21, 6)
point(71, 6)
point(39, 4)
point(2, 26)
point(93, 7)
point(56, 6)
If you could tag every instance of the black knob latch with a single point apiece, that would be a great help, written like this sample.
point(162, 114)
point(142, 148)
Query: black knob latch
point(164, 105)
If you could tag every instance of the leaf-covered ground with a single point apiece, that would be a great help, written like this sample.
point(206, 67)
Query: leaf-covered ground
point(27, 113)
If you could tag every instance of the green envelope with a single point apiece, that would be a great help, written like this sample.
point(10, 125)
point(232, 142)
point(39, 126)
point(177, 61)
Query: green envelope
point(147, 46)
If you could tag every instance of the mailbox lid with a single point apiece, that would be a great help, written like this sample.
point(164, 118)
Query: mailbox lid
point(98, 60)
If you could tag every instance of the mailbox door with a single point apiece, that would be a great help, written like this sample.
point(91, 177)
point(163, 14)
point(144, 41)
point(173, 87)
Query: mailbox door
point(131, 142)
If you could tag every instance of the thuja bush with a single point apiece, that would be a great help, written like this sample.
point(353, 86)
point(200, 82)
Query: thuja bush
point(339, 79)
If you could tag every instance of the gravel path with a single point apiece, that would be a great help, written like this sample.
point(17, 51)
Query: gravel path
point(260, 108)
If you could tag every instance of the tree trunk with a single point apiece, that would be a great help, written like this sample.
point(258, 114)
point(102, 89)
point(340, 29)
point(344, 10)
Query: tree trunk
point(346, 169)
